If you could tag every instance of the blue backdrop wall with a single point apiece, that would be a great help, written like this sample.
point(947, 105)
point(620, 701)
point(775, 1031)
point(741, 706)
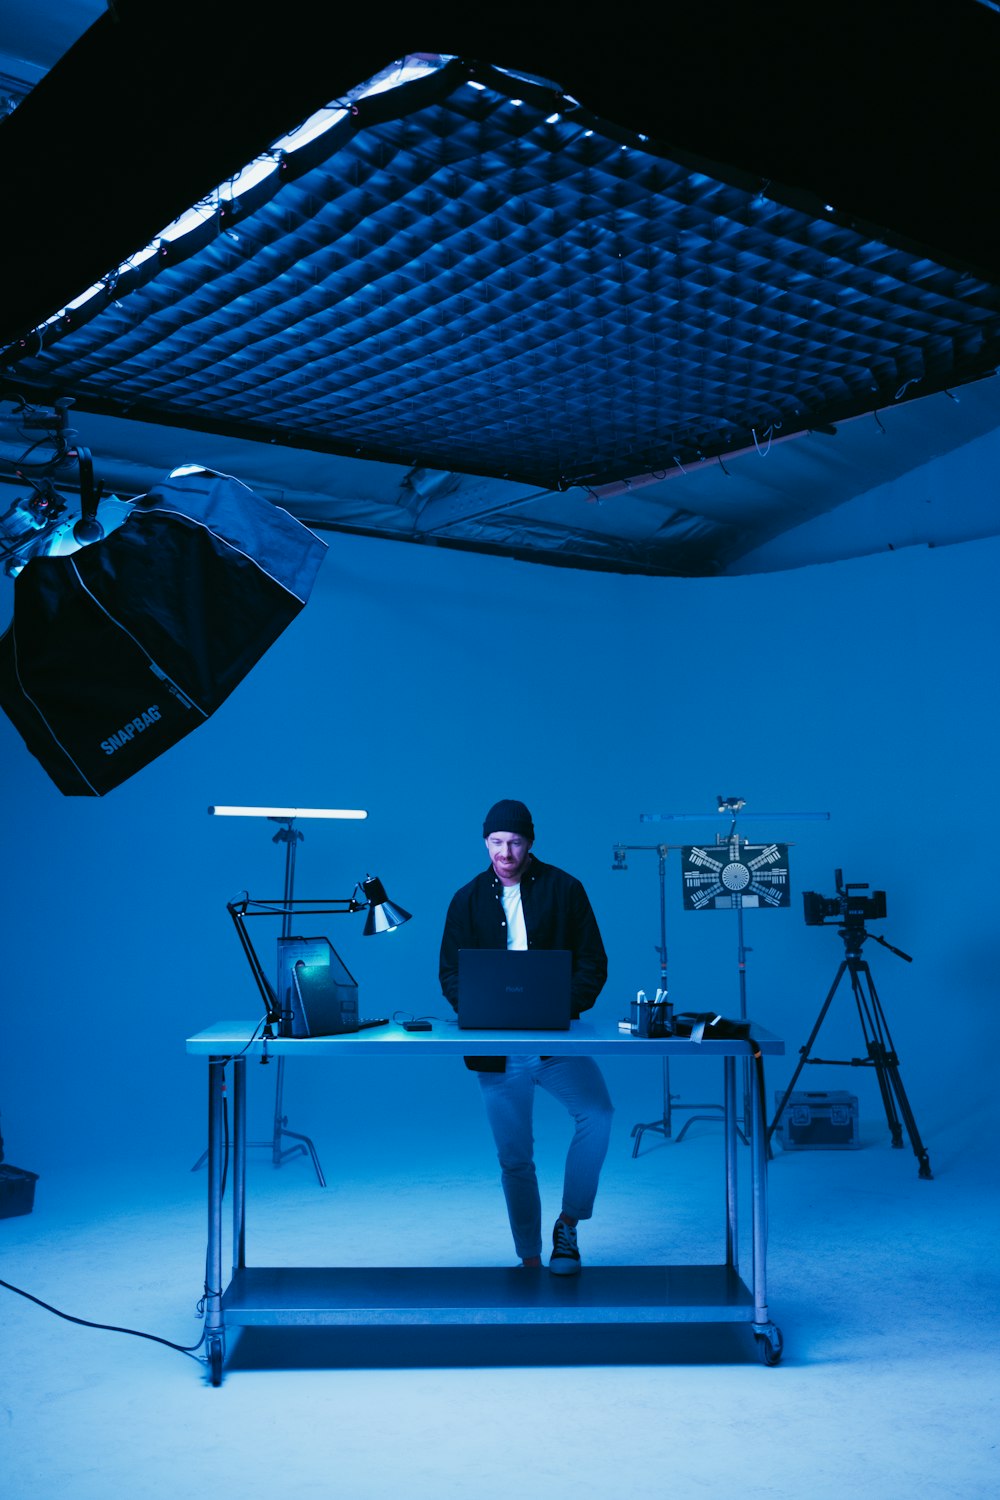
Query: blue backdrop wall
point(422, 685)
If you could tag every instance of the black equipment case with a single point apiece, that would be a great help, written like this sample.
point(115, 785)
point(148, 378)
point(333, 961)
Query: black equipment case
point(818, 1122)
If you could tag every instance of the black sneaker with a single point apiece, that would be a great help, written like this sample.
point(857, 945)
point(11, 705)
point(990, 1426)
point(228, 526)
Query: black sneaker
point(565, 1259)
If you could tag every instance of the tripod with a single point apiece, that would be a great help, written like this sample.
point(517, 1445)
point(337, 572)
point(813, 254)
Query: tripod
point(878, 1044)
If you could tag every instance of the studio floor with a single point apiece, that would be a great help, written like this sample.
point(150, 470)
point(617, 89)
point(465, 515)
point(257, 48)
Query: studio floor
point(884, 1287)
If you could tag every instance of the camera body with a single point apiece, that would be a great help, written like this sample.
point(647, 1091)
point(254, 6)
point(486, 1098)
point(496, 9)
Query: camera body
point(848, 908)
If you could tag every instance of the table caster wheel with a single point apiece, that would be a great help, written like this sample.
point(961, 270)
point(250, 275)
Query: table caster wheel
point(215, 1358)
point(769, 1344)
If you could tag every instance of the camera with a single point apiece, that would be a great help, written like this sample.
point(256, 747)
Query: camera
point(847, 908)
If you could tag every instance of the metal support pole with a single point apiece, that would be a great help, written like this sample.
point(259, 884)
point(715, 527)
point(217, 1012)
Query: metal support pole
point(239, 1163)
point(767, 1334)
point(741, 961)
point(289, 836)
point(759, 1172)
point(732, 1192)
point(215, 1330)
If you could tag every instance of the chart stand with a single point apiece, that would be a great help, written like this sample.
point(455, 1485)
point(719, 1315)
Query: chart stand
point(729, 874)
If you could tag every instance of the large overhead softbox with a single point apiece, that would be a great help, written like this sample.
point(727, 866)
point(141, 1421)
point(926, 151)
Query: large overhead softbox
point(119, 650)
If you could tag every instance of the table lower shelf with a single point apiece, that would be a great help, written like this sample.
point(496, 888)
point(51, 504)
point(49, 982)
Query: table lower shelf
point(396, 1295)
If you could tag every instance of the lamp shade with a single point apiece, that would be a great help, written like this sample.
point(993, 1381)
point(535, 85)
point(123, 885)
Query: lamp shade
point(383, 914)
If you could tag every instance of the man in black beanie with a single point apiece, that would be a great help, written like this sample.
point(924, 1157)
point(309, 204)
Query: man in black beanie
point(519, 902)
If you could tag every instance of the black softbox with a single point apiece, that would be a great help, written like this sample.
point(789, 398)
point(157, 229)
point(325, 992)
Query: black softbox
point(119, 650)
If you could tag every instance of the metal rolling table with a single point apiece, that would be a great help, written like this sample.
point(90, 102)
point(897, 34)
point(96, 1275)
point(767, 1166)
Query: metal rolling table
point(359, 1296)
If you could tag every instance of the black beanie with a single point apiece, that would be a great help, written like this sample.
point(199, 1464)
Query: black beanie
point(508, 817)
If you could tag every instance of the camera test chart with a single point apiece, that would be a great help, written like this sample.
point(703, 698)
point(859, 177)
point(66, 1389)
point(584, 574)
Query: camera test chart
point(734, 874)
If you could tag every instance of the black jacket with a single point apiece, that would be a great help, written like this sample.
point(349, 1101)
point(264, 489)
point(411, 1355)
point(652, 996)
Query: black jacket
point(557, 914)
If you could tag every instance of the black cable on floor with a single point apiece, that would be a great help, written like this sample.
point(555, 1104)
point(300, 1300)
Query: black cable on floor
point(108, 1327)
point(155, 1338)
point(188, 1349)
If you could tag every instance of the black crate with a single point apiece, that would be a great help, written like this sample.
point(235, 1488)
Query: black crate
point(17, 1191)
point(818, 1122)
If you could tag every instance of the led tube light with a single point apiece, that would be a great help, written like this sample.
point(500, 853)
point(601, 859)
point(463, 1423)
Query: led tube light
point(288, 812)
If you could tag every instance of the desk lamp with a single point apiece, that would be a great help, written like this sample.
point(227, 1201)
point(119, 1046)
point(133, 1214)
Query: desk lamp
point(368, 895)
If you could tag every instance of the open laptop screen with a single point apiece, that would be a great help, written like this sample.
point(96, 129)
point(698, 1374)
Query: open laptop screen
point(505, 989)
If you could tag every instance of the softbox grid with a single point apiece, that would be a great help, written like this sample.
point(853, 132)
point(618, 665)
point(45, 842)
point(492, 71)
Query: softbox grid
point(472, 273)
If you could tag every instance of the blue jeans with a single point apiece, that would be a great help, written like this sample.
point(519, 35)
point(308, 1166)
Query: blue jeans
point(509, 1097)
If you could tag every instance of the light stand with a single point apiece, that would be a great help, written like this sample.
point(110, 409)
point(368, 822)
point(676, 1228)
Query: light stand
point(288, 835)
point(664, 1125)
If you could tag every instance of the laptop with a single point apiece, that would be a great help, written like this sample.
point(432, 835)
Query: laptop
point(505, 989)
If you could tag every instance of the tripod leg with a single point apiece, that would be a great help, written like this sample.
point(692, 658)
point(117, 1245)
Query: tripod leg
point(882, 1053)
point(805, 1051)
point(919, 1149)
point(877, 1053)
point(866, 1002)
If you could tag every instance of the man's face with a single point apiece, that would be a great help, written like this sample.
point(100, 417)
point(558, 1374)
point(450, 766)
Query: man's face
point(508, 854)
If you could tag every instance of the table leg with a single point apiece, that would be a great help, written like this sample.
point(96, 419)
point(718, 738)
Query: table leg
point(239, 1163)
point(729, 1109)
point(768, 1335)
point(214, 1324)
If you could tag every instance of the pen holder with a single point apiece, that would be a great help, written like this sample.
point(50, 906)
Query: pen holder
point(641, 1009)
point(661, 1017)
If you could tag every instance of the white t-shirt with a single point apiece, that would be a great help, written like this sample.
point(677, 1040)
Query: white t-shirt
point(517, 933)
point(517, 937)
